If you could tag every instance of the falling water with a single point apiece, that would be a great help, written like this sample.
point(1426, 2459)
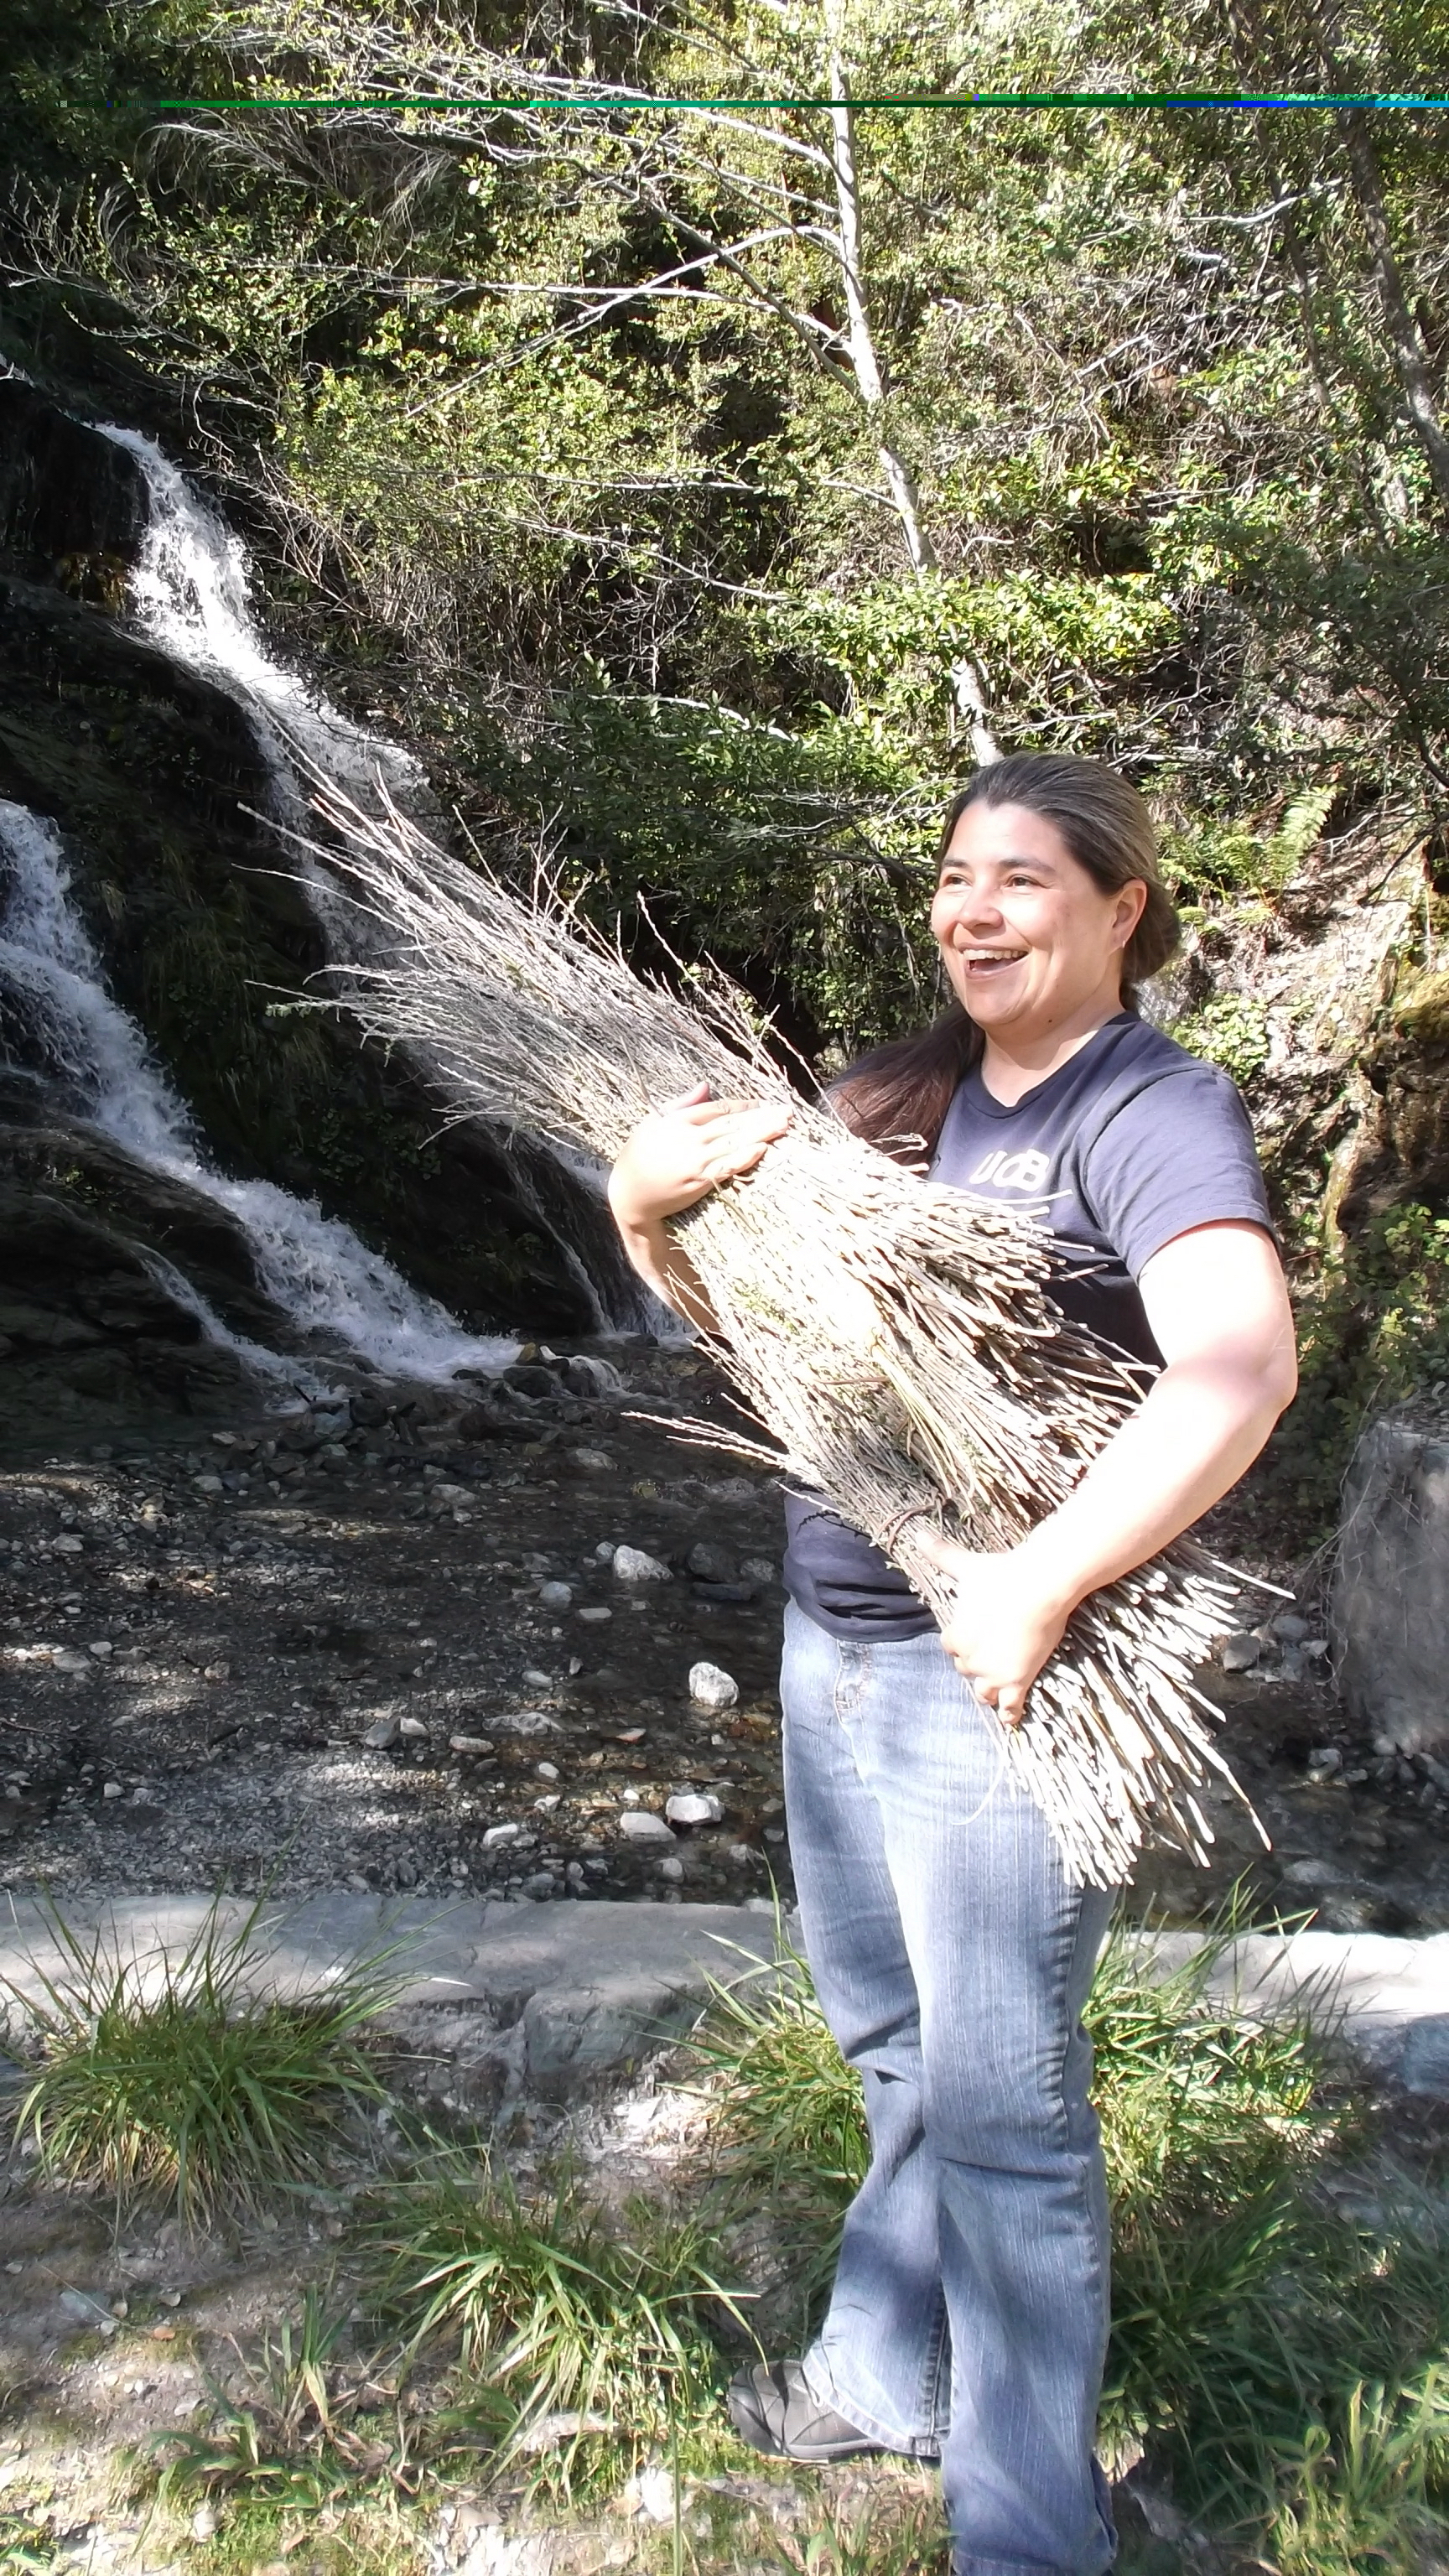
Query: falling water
point(189, 591)
point(94, 1058)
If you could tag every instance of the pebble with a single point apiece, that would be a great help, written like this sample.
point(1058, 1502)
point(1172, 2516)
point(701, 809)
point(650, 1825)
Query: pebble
point(470, 1744)
point(68, 1661)
point(412, 1728)
point(556, 1596)
point(1240, 1652)
point(758, 1569)
point(710, 1687)
point(1323, 1761)
point(100, 1647)
point(497, 1834)
point(546, 1770)
point(113, 1789)
point(594, 1462)
point(596, 1613)
point(693, 1807)
point(383, 1732)
point(670, 1868)
point(1289, 1627)
point(67, 1545)
point(636, 1565)
point(641, 1825)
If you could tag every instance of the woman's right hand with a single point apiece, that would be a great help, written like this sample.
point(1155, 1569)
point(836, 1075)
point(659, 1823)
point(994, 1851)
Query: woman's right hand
point(679, 1153)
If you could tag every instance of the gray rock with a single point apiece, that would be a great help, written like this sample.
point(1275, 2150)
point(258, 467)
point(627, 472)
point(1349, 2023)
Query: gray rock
point(413, 1728)
point(710, 1563)
point(670, 1868)
point(1391, 1588)
point(641, 1825)
point(588, 1376)
point(1289, 1627)
point(693, 1807)
point(759, 1569)
point(712, 1688)
point(635, 1565)
point(1324, 1761)
point(1424, 2066)
point(1240, 1652)
point(499, 1834)
point(555, 1596)
point(470, 1744)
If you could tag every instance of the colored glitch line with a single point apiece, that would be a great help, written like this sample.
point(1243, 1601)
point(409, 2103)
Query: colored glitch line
point(641, 100)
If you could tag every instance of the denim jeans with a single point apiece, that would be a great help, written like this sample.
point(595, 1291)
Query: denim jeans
point(953, 1957)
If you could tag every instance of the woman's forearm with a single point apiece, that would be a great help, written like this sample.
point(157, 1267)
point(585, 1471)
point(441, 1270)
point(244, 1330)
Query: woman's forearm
point(1200, 1426)
point(665, 1266)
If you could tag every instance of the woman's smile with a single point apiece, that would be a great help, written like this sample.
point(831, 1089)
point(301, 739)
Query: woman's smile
point(989, 961)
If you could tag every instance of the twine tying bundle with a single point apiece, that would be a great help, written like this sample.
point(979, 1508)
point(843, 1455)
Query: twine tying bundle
point(897, 1338)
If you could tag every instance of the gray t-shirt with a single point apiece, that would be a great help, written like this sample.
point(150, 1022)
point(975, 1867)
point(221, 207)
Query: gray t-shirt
point(1132, 1142)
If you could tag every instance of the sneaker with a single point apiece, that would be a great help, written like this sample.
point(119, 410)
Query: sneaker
point(772, 2409)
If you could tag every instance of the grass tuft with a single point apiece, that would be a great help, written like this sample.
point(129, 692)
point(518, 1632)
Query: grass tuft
point(175, 2076)
point(1277, 2357)
point(568, 2331)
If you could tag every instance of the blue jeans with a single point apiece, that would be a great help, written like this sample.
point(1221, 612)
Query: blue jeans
point(969, 2315)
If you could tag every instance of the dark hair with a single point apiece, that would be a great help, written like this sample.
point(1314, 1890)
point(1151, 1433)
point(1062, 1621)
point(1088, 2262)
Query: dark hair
point(898, 1096)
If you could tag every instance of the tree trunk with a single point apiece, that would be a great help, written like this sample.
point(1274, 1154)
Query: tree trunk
point(1411, 358)
point(968, 689)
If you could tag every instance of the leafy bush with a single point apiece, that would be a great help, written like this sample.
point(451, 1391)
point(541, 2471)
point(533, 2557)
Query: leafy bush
point(1373, 1333)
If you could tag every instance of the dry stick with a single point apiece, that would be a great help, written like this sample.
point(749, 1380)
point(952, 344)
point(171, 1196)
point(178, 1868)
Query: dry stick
point(897, 1338)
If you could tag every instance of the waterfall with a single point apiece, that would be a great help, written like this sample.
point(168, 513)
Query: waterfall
point(189, 592)
point(94, 1059)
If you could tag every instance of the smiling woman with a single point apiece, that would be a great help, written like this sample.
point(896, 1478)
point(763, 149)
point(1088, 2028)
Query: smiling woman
point(951, 1949)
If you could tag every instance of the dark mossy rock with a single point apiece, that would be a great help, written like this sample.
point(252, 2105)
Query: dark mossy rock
point(158, 785)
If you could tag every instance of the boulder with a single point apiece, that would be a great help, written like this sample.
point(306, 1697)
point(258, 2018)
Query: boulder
point(1391, 1587)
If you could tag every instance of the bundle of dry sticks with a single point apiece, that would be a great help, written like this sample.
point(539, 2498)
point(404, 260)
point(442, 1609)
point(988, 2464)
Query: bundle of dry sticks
point(897, 1339)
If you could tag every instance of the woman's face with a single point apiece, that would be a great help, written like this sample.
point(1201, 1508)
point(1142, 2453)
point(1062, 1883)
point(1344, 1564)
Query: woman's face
point(1028, 938)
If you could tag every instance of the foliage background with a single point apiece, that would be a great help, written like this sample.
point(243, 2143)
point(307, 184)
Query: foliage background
point(566, 452)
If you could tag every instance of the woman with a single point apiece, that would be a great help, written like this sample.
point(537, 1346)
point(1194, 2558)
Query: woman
point(953, 1958)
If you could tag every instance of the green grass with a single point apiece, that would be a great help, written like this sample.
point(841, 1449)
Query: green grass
point(1278, 2361)
point(174, 2076)
point(570, 2331)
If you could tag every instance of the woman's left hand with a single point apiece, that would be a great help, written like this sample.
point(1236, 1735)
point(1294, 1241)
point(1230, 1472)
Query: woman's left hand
point(1004, 1625)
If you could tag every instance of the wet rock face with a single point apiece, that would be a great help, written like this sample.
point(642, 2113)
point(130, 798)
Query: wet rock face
point(1391, 1593)
point(83, 1312)
point(72, 506)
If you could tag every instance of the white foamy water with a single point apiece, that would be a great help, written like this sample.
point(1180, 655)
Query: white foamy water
point(189, 591)
point(90, 1054)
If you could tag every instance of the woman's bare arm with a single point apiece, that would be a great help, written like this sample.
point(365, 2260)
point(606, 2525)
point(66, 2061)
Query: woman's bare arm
point(1218, 1307)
